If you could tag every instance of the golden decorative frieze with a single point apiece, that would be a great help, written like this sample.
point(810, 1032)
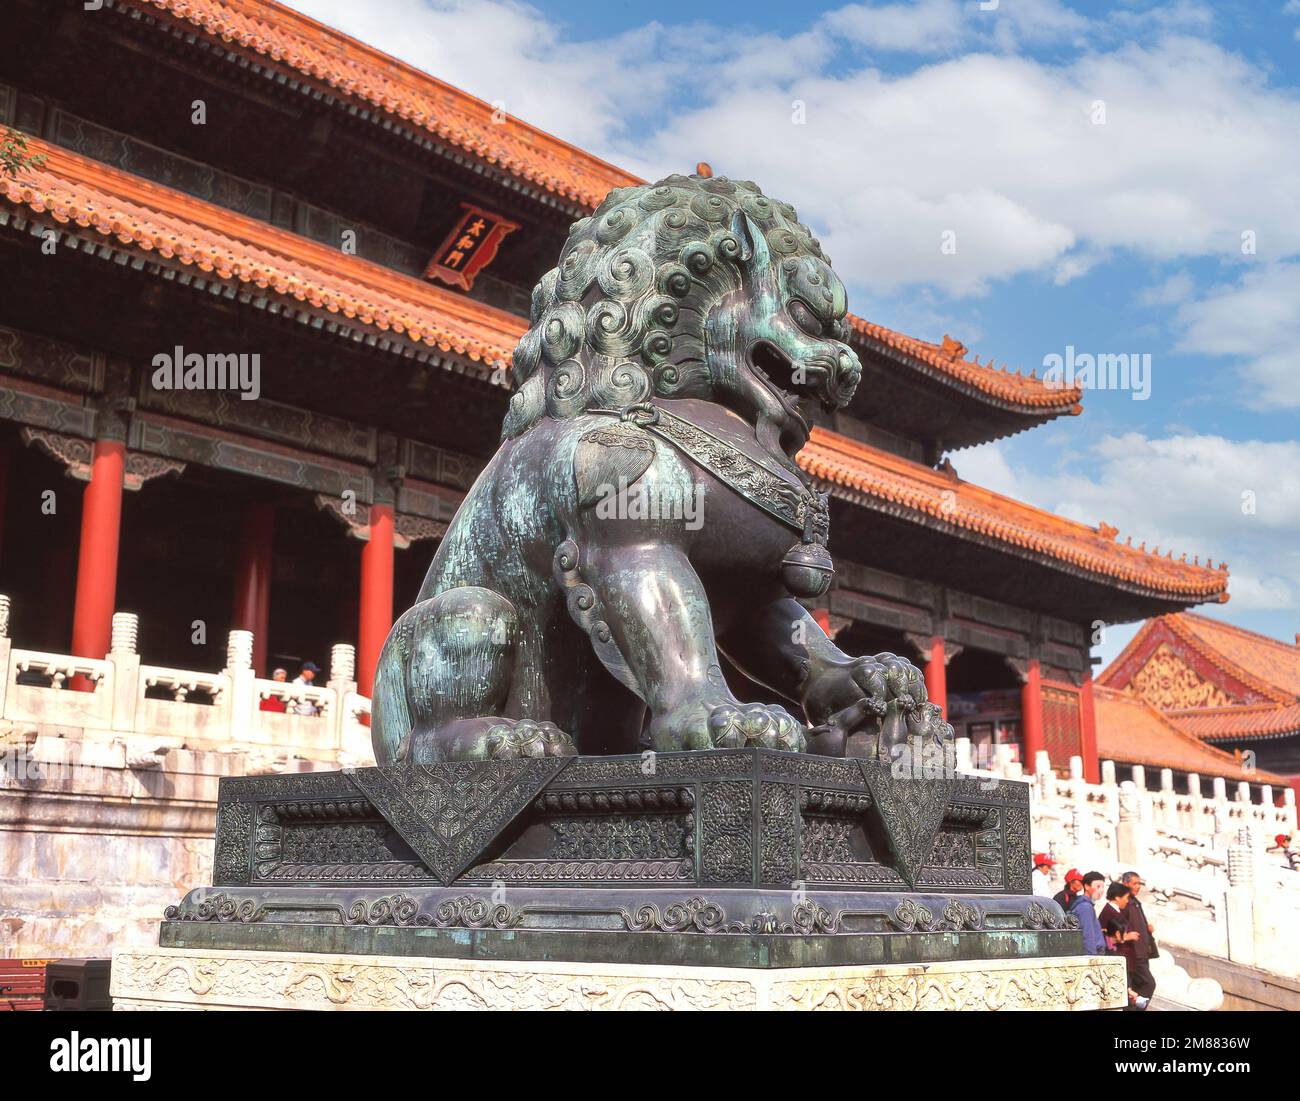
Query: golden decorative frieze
point(1168, 683)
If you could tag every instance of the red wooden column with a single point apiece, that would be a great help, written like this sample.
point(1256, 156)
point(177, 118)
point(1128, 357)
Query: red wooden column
point(936, 674)
point(376, 595)
point(101, 521)
point(822, 616)
point(1088, 730)
point(252, 606)
point(1031, 713)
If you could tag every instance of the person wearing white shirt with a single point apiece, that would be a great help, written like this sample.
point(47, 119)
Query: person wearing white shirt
point(308, 674)
point(1042, 877)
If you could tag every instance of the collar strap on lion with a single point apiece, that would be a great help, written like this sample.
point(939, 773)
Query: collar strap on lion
point(806, 567)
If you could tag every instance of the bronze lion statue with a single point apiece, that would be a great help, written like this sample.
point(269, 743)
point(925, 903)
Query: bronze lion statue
point(644, 512)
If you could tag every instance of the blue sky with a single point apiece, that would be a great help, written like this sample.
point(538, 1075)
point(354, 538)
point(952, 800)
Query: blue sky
point(1116, 177)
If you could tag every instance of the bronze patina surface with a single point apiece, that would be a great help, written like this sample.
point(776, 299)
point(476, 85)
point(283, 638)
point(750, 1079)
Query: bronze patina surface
point(644, 513)
point(563, 771)
point(747, 858)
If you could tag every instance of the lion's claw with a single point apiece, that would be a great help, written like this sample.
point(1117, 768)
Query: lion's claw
point(507, 740)
point(746, 725)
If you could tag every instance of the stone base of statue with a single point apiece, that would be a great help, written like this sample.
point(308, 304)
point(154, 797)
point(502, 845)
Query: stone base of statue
point(188, 978)
point(728, 878)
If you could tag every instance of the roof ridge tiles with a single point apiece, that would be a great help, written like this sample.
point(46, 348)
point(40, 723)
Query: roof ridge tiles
point(358, 69)
point(1106, 693)
point(156, 218)
point(1224, 661)
point(865, 469)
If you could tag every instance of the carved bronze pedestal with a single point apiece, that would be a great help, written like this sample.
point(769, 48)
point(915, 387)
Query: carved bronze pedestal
point(742, 858)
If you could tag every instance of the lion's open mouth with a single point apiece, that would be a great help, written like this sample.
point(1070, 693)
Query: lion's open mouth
point(777, 372)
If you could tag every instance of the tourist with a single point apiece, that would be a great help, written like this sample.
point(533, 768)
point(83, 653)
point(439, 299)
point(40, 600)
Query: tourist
point(275, 703)
point(1084, 907)
point(1282, 842)
point(1120, 939)
point(1073, 885)
point(305, 706)
point(1144, 947)
point(1042, 875)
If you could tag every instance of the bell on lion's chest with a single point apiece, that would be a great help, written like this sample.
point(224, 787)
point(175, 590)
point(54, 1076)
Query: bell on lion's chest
point(807, 570)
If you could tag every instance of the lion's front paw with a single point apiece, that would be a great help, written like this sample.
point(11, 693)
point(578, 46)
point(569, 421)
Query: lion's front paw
point(508, 739)
point(745, 725)
point(726, 724)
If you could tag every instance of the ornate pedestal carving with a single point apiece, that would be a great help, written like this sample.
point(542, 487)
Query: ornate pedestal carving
point(838, 870)
point(175, 978)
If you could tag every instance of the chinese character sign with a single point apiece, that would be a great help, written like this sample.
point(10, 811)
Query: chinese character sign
point(469, 247)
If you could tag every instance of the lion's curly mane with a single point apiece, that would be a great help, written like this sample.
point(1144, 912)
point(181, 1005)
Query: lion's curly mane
point(620, 318)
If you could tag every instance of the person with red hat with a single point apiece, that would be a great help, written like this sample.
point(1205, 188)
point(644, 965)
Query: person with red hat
point(1282, 842)
point(1073, 888)
point(1042, 877)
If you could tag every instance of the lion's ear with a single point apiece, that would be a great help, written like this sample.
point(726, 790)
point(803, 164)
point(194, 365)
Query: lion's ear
point(753, 245)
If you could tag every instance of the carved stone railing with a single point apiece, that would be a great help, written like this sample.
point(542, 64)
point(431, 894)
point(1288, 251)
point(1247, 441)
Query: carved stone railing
point(1215, 882)
point(222, 710)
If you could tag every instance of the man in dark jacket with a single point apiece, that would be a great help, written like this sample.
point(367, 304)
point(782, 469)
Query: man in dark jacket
point(1144, 947)
point(1083, 906)
point(1073, 885)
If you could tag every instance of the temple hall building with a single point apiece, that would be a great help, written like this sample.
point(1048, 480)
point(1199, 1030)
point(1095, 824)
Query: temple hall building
point(1228, 688)
point(260, 297)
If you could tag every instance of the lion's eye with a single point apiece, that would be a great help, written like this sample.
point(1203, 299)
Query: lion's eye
point(805, 318)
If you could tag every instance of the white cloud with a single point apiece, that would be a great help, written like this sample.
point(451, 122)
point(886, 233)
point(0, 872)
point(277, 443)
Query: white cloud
point(508, 52)
point(979, 145)
point(998, 148)
point(1184, 493)
point(1175, 290)
point(1257, 322)
point(1001, 150)
point(927, 27)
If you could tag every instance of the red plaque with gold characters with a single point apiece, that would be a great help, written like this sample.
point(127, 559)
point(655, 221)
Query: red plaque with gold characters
point(469, 247)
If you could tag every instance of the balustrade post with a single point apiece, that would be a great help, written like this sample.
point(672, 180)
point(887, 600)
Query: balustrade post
point(1239, 900)
point(1168, 800)
point(240, 695)
point(1045, 775)
point(1195, 802)
point(124, 656)
point(1220, 812)
point(350, 738)
point(1132, 833)
point(1081, 812)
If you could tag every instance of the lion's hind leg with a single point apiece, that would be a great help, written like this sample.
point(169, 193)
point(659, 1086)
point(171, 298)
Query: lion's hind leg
point(443, 680)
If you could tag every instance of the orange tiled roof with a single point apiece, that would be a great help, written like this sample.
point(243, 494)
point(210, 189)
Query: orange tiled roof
point(157, 220)
point(949, 360)
point(176, 227)
point(1130, 730)
point(1251, 720)
point(1267, 666)
point(864, 472)
point(1265, 671)
point(154, 219)
point(352, 68)
point(1269, 661)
